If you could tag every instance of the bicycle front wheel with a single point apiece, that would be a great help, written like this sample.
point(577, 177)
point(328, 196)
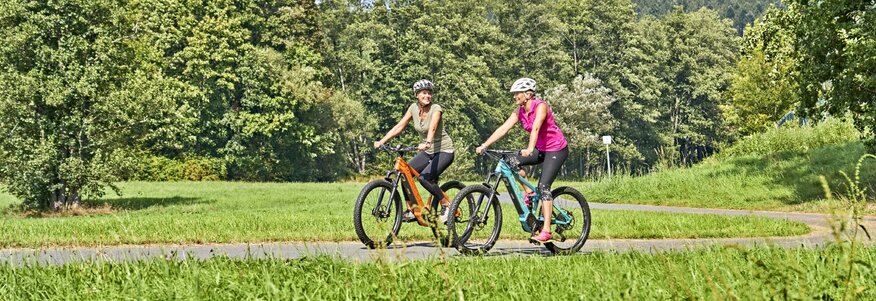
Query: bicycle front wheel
point(572, 229)
point(475, 227)
point(377, 215)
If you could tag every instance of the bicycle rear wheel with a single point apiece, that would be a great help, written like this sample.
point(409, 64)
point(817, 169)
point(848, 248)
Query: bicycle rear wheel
point(569, 238)
point(376, 217)
point(475, 232)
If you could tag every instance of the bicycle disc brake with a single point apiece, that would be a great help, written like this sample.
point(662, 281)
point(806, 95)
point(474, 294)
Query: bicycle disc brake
point(380, 213)
point(477, 223)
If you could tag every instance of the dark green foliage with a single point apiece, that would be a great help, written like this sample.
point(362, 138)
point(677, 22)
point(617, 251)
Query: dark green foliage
point(835, 48)
point(762, 89)
point(741, 12)
point(75, 87)
point(160, 168)
point(297, 90)
point(87, 87)
point(817, 56)
point(252, 71)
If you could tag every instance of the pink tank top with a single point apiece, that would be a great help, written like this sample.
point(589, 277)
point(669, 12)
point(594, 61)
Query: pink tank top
point(550, 138)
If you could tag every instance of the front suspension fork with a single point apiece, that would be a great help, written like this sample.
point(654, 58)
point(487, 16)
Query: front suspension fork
point(493, 192)
point(377, 208)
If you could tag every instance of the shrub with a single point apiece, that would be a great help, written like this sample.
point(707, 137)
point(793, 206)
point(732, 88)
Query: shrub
point(794, 139)
point(192, 168)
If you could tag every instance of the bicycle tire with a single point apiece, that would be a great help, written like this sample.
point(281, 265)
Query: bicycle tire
point(575, 197)
point(470, 196)
point(364, 237)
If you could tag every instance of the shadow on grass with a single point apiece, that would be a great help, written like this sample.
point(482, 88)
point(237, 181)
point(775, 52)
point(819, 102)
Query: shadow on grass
point(399, 246)
point(519, 251)
point(143, 203)
point(497, 251)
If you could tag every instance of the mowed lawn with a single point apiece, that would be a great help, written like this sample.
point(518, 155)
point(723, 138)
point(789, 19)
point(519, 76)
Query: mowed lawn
point(226, 212)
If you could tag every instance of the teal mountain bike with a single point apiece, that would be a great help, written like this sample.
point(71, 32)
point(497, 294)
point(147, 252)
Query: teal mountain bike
point(476, 226)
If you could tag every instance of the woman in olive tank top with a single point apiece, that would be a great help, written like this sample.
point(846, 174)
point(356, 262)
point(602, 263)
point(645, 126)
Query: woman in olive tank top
point(436, 149)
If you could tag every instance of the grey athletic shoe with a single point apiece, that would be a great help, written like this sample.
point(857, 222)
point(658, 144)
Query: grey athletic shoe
point(445, 214)
point(408, 217)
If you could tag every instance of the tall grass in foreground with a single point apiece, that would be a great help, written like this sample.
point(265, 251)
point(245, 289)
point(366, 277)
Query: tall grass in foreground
point(849, 214)
point(715, 273)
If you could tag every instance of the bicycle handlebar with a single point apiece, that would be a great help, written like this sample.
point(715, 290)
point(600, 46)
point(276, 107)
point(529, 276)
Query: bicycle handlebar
point(398, 148)
point(502, 152)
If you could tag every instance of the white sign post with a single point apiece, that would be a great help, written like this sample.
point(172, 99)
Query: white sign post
point(607, 140)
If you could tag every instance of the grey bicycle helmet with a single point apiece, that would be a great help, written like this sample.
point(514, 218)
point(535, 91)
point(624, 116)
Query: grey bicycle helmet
point(523, 84)
point(423, 84)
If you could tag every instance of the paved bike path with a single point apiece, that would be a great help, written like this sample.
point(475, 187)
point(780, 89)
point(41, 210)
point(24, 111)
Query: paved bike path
point(820, 235)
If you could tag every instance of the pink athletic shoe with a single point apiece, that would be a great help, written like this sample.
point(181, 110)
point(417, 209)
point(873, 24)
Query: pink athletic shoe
point(542, 237)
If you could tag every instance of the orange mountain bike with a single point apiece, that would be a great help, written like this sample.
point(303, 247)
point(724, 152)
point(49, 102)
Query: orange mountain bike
point(378, 212)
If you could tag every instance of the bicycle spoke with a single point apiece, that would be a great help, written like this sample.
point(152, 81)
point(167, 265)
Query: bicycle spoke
point(376, 215)
point(477, 227)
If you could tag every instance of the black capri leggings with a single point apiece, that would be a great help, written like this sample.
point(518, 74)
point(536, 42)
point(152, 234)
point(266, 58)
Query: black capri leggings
point(430, 166)
point(553, 162)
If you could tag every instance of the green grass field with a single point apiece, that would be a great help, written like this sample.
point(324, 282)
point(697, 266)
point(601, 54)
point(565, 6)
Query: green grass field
point(715, 273)
point(787, 181)
point(219, 212)
point(748, 176)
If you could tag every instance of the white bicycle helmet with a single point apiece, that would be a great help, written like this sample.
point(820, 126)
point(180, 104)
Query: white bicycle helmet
point(423, 84)
point(523, 84)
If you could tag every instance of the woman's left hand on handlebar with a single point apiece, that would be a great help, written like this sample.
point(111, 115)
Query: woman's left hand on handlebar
point(480, 149)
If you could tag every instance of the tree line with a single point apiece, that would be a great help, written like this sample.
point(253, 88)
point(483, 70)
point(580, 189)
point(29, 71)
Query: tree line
point(94, 92)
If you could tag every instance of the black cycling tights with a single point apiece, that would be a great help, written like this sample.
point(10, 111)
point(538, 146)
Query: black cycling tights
point(430, 166)
point(553, 162)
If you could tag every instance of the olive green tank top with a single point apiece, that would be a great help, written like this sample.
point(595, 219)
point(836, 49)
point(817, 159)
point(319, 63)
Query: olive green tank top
point(441, 141)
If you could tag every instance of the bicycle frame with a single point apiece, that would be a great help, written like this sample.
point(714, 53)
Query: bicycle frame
point(505, 173)
point(403, 175)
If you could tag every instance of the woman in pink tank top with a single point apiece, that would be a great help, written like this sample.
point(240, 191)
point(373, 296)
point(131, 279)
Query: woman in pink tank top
point(547, 144)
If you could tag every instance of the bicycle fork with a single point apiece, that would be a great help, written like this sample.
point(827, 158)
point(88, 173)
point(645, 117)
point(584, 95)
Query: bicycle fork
point(378, 209)
point(482, 218)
